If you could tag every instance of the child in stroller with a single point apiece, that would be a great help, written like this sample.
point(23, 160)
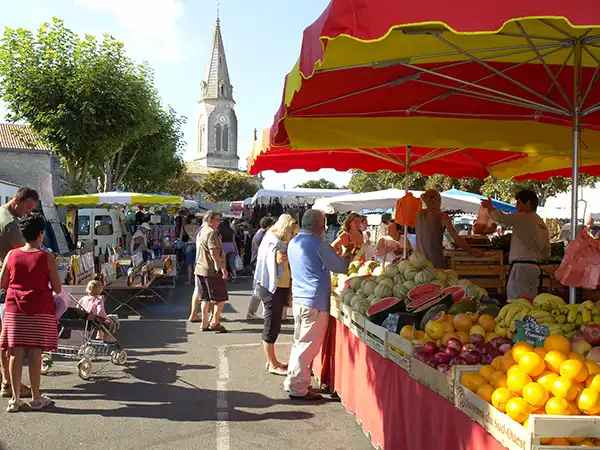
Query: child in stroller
point(93, 305)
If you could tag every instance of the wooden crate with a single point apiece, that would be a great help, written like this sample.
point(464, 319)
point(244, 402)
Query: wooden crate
point(438, 382)
point(399, 350)
point(488, 272)
point(509, 433)
point(376, 338)
point(563, 426)
point(357, 325)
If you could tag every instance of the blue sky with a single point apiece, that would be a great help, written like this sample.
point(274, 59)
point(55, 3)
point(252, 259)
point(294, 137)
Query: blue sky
point(262, 41)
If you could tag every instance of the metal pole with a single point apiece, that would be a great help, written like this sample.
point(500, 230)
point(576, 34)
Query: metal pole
point(406, 187)
point(576, 139)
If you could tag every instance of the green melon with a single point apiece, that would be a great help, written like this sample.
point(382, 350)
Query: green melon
point(467, 305)
point(431, 313)
point(491, 310)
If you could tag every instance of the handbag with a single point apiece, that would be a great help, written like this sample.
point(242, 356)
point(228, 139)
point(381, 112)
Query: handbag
point(61, 303)
point(239, 265)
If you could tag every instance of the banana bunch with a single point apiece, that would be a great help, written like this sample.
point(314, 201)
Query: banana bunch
point(548, 302)
point(509, 314)
point(577, 315)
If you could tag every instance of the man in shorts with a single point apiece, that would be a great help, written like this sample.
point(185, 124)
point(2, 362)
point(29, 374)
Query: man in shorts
point(211, 272)
point(24, 201)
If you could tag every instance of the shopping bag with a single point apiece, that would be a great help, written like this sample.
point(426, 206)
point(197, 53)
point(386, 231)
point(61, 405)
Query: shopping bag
point(484, 223)
point(580, 266)
point(239, 265)
point(61, 303)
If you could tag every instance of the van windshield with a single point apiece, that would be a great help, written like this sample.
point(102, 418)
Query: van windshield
point(103, 226)
point(84, 225)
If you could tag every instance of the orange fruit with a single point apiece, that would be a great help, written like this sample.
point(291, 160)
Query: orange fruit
point(535, 394)
point(564, 388)
point(475, 382)
point(554, 359)
point(519, 349)
point(486, 322)
point(500, 398)
point(547, 380)
point(406, 332)
point(557, 342)
point(518, 409)
point(589, 402)
point(593, 367)
point(545, 441)
point(575, 355)
point(516, 381)
point(513, 369)
point(485, 392)
point(449, 318)
point(545, 372)
point(448, 327)
point(573, 409)
point(463, 336)
point(462, 322)
point(507, 362)
point(593, 381)
point(556, 406)
point(540, 351)
point(574, 370)
point(498, 379)
point(497, 363)
point(588, 442)
point(532, 364)
point(574, 440)
point(559, 441)
point(486, 372)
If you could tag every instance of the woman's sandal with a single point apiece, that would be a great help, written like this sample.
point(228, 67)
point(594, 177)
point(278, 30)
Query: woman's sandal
point(13, 406)
point(36, 405)
point(6, 391)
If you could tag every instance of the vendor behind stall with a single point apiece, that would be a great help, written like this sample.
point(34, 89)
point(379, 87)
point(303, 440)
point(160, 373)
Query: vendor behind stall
point(139, 240)
point(529, 245)
point(431, 223)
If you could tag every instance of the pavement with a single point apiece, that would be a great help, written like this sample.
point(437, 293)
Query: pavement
point(182, 388)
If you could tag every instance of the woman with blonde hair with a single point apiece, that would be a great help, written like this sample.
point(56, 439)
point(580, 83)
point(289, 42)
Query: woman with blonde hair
point(272, 279)
point(430, 226)
point(351, 235)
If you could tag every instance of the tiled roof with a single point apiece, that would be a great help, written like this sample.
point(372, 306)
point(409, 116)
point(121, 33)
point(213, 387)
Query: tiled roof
point(19, 137)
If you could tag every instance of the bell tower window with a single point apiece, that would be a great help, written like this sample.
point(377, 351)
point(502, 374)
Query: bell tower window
point(219, 136)
point(225, 137)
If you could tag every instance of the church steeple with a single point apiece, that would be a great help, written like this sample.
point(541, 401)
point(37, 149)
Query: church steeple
point(217, 84)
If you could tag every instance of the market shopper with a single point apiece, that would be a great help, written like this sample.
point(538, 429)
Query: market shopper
point(529, 244)
point(311, 260)
point(29, 320)
point(351, 235)
point(391, 246)
point(272, 284)
point(211, 273)
point(230, 249)
point(139, 240)
point(431, 223)
point(188, 232)
point(24, 201)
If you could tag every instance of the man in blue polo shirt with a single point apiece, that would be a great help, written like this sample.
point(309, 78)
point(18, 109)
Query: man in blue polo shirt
point(311, 261)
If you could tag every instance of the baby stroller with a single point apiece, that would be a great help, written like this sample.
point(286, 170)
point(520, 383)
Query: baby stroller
point(94, 340)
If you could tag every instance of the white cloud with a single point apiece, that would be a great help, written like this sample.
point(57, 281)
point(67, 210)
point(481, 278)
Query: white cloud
point(150, 27)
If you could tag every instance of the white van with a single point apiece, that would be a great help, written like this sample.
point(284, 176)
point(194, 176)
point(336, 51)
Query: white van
point(102, 227)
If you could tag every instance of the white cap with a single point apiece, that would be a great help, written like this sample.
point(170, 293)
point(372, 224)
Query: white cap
point(145, 226)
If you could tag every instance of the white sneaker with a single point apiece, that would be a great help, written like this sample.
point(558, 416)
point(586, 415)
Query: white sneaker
point(252, 316)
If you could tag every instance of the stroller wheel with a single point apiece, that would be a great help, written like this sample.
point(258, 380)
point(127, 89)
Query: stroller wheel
point(114, 357)
point(89, 352)
point(46, 363)
point(85, 369)
point(122, 357)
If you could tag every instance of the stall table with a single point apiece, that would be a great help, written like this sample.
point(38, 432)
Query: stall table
point(395, 410)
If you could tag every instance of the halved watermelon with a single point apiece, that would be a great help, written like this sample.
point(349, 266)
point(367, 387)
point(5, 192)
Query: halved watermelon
point(423, 294)
point(458, 292)
point(422, 310)
point(379, 311)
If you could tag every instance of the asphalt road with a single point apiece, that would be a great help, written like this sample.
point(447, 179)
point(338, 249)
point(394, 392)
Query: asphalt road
point(182, 389)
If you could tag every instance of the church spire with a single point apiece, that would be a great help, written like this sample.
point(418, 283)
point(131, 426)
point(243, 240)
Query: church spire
point(217, 83)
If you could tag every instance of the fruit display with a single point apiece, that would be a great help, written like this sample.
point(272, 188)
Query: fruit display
point(549, 380)
point(415, 282)
point(550, 311)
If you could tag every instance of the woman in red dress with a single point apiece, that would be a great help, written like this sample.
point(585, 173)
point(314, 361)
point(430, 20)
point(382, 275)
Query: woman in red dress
point(29, 321)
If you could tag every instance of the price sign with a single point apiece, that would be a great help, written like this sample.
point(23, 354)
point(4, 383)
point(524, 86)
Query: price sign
point(530, 331)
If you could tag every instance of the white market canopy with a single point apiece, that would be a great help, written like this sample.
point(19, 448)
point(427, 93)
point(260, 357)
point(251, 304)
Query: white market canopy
point(119, 199)
point(387, 199)
point(309, 195)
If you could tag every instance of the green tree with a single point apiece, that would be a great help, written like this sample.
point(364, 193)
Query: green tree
point(82, 96)
point(222, 185)
point(318, 184)
point(184, 185)
point(384, 179)
point(439, 182)
point(152, 162)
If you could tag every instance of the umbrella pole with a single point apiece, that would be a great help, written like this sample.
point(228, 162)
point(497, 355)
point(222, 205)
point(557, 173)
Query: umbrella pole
point(576, 140)
point(406, 187)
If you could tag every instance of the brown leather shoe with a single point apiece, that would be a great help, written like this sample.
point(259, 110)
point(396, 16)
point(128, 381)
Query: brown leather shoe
point(310, 396)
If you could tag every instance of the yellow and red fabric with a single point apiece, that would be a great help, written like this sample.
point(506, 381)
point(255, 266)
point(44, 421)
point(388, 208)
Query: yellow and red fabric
point(384, 73)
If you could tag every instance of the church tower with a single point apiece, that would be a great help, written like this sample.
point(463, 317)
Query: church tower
point(217, 122)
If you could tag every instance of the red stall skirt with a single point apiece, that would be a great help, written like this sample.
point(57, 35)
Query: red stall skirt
point(397, 411)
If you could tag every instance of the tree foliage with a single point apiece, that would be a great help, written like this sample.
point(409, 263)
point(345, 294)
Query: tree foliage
point(222, 185)
point(83, 96)
point(183, 184)
point(321, 183)
point(384, 179)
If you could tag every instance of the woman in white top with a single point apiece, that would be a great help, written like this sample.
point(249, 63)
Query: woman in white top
point(391, 246)
point(369, 251)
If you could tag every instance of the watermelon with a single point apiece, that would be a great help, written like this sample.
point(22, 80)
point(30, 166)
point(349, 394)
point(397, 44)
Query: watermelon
point(399, 279)
point(420, 312)
point(400, 291)
point(409, 284)
point(491, 310)
point(432, 313)
point(403, 265)
point(423, 277)
point(466, 305)
point(410, 273)
point(379, 311)
point(422, 295)
point(458, 292)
